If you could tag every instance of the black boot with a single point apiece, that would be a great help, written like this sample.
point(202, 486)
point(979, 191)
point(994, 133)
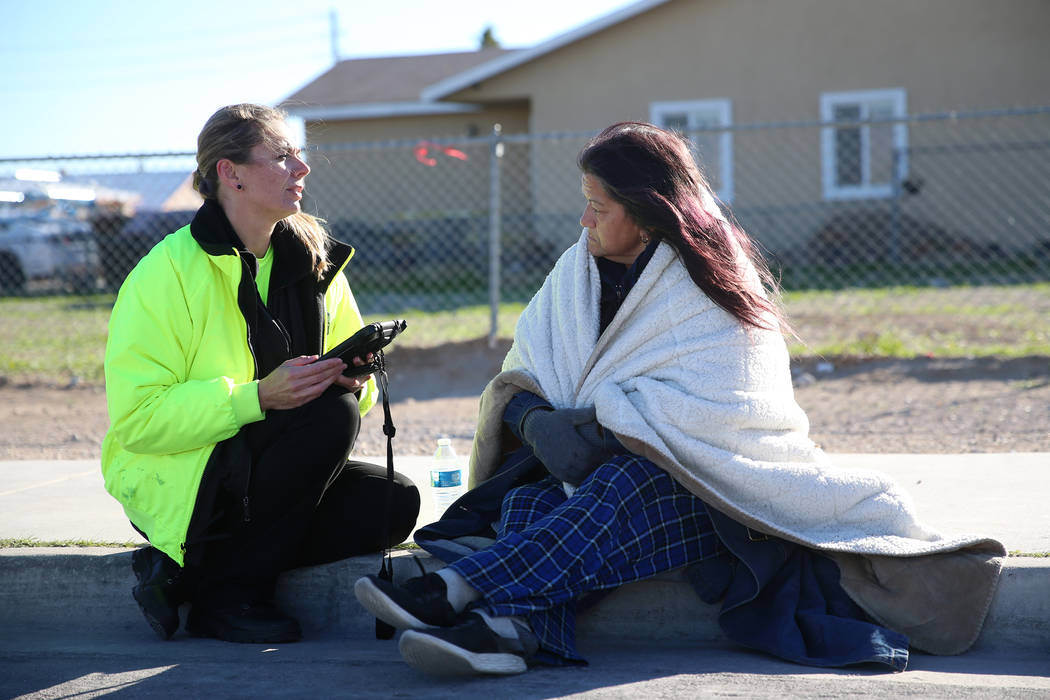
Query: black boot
point(159, 591)
point(248, 623)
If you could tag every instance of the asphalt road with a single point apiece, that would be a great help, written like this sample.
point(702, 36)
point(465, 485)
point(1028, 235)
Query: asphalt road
point(52, 664)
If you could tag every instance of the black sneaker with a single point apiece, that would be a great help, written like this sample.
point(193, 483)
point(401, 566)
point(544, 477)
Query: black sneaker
point(247, 623)
point(418, 603)
point(159, 590)
point(470, 648)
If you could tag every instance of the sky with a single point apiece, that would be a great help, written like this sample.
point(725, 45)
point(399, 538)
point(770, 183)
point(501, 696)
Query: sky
point(113, 76)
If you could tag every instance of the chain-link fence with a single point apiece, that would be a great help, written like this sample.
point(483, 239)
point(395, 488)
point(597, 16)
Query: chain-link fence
point(79, 224)
point(934, 200)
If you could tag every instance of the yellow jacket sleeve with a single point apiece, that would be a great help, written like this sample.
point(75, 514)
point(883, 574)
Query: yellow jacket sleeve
point(177, 380)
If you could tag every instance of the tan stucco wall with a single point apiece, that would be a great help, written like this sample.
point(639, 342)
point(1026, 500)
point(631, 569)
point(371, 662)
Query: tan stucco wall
point(385, 182)
point(513, 118)
point(772, 59)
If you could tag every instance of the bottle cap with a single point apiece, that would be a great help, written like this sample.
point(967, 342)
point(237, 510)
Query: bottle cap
point(444, 441)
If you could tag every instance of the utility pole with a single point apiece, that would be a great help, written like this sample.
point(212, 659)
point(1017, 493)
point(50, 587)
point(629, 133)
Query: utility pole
point(333, 25)
point(495, 231)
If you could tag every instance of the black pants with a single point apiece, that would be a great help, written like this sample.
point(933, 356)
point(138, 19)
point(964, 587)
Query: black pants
point(300, 503)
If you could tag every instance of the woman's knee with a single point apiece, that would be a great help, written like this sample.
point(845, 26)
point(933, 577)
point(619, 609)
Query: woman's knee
point(626, 471)
point(336, 407)
point(524, 505)
point(529, 494)
point(332, 421)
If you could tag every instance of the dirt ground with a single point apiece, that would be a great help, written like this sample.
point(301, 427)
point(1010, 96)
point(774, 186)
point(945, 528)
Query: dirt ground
point(916, 406)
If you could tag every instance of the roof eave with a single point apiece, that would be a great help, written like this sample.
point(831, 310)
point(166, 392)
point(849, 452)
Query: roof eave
point(376, 110)
point(475, 75)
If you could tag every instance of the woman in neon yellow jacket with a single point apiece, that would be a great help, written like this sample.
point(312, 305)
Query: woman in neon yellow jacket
point(229, 439)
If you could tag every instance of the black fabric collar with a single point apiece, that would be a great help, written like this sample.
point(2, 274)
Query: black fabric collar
point(624, 275)
point(617, 280)
point(295, 262)
point(213, 231)
point(215, 235)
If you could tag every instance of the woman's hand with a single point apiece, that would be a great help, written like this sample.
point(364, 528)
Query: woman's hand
point(298, 381)
point(355, 383)
point(557, 440)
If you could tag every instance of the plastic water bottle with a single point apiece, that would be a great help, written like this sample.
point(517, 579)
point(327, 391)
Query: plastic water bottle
point(447, 480)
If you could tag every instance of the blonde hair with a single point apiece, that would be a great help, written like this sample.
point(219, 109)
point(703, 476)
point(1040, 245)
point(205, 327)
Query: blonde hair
point(232, 133)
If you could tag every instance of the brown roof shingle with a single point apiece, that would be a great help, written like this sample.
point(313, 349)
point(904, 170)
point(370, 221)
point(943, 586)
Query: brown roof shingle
point(386, 79)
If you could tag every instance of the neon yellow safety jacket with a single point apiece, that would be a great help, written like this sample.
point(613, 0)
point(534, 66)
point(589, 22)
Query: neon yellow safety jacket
point(180, 375)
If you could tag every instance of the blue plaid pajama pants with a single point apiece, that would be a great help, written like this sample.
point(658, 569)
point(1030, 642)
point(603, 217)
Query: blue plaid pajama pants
point(627, 521)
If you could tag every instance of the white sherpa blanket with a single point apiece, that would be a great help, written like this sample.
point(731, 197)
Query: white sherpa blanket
point(681, 382)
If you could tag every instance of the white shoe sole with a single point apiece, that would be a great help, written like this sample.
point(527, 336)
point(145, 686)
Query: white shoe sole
point(429, 654)
point(377, 603)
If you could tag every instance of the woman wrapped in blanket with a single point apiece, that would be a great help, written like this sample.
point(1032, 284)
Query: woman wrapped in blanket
point(649, 385)
point(229, 439)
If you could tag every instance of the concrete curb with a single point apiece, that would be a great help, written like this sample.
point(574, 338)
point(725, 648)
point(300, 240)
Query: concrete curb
point(79, 589)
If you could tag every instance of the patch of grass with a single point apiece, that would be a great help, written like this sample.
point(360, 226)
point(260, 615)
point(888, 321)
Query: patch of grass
point(887, 344)
point(431, 328)
point(897, 343)
point(1039, 555)
point(1001, 321)
point(17, 542)
point(56, 340)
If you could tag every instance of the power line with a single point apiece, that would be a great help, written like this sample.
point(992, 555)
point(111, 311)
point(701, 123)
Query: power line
point(159, 38)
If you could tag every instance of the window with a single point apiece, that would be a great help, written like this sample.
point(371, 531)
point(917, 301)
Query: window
point(714, 149)
point(858, 159)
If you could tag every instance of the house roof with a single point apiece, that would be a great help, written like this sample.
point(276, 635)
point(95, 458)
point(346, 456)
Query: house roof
point(368, 87)
point(475, 74)
point(150, 191)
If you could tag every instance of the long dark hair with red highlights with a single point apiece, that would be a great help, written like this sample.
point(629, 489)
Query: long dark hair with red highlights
point(651, 172)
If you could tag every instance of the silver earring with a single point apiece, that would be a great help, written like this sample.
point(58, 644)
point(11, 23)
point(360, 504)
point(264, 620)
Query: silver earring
point(645, 240)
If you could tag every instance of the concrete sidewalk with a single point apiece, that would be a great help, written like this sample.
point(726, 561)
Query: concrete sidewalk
point(1004, 496)
point(69, 612)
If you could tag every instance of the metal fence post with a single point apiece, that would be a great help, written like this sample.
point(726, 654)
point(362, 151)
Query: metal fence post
point(895, 207)
point(496, 154)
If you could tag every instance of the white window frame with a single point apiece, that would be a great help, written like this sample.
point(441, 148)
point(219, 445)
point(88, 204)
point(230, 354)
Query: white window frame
point(867, 189)
point(723, 110)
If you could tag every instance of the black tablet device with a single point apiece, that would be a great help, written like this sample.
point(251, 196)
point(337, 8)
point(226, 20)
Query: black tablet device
point(370, 339)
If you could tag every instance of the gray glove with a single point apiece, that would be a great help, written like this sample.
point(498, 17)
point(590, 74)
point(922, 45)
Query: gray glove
point(557, 439)
point(599, 437)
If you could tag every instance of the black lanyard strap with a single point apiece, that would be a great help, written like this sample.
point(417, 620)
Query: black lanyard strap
point(386, 569)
